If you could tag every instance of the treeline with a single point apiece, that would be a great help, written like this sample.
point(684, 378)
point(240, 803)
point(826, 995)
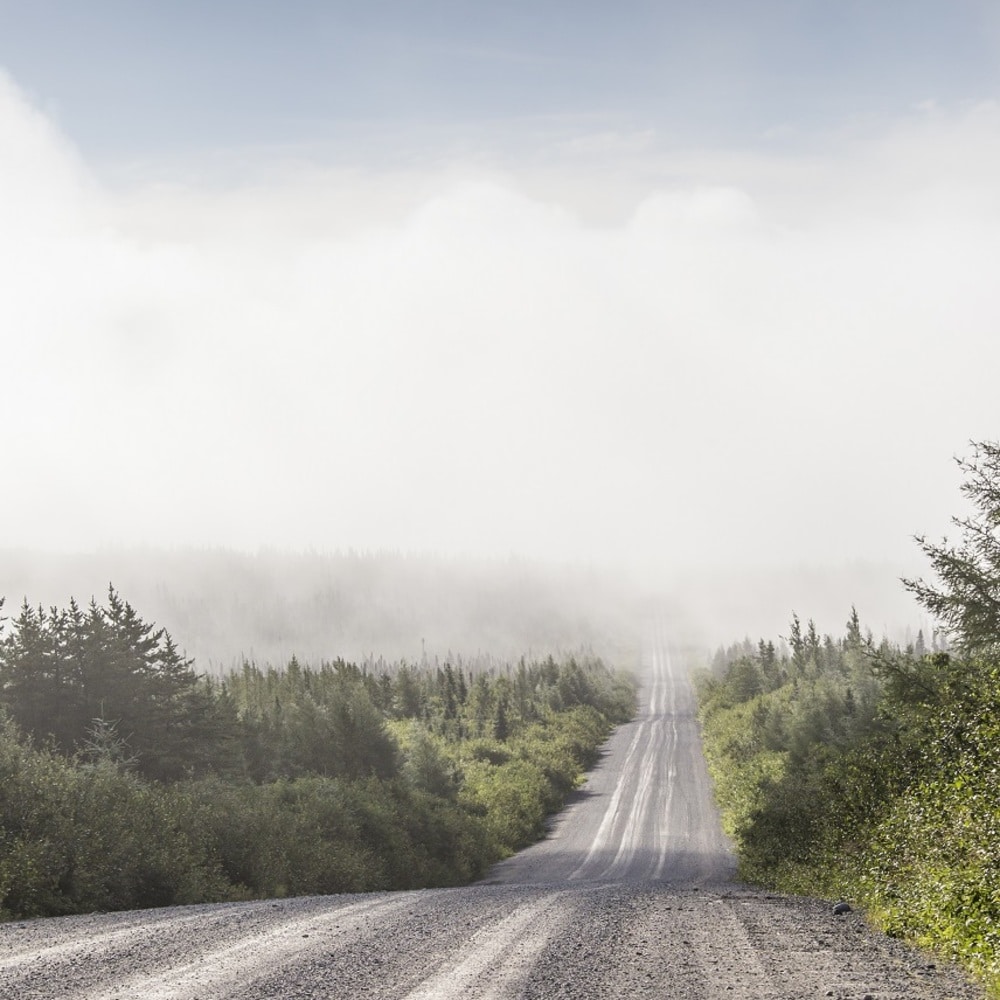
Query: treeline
point(227, 606)
point(128, 780)
point(850, 768)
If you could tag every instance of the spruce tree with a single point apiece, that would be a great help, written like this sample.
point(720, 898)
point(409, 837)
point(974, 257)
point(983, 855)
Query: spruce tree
point(966, 598)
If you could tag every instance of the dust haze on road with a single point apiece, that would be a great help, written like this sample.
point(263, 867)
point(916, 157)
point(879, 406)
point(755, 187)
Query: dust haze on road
point(631, 894)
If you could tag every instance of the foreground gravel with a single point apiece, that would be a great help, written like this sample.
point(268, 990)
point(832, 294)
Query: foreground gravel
point(484, 941)
point(631, 895)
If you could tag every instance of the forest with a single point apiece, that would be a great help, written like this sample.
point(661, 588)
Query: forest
point(859, 769)
point(129, 780)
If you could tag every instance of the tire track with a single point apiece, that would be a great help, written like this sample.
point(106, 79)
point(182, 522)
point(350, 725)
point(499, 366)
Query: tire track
point(211, 970)
point(642, 833)
point(597, 910)
point(498, 957)
point(181, 955)
point(68, 938)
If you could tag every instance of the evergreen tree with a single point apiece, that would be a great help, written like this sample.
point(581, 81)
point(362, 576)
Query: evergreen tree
point(798, 644)
point(63, 672)
point(501, 728)
point(408, 700)
point(966, 598)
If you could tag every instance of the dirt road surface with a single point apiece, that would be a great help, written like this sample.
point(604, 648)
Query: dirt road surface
point(632, 895)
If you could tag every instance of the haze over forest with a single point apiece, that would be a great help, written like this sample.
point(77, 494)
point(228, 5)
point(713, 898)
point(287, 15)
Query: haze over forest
point(698, 300)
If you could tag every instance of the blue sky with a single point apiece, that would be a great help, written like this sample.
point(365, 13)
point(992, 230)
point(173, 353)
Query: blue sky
point(673, 287)
point(127, 79)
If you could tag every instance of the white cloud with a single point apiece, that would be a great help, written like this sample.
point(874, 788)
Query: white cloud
point(763, 358)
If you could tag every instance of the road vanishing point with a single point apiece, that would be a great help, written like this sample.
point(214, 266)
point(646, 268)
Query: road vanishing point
point(632, 894)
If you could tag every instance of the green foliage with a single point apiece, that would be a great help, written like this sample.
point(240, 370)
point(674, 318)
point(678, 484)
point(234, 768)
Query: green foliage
point(64, 671)
point(966, 598)
point(517, 784)
point(299, 721)
point(784, 735)
point(127, 781)
point(76, 837)
point(427, 765)
point(931, 871)
point(874, 783)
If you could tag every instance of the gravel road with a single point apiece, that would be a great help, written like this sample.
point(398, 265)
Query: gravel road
point(631, 895)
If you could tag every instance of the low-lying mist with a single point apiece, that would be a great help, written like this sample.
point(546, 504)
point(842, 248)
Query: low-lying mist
point(224, 606)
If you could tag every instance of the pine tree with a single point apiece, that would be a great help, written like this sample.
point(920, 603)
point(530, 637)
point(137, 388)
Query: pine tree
point(63, 672)
point(798, 644)
point(501, 728)
point(966, 599)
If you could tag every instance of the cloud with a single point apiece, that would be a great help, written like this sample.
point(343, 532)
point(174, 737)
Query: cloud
point(745, 359)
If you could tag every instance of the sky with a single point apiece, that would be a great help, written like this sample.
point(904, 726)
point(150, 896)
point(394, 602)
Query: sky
point(665, 286)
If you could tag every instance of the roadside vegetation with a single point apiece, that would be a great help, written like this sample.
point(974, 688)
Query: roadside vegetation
point(128, 780)
point(850, 768)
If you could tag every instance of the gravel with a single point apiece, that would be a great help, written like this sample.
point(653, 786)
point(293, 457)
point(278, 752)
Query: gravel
point(631, 895)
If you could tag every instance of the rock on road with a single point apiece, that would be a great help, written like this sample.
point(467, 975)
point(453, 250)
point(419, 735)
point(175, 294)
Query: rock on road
point(631, 895)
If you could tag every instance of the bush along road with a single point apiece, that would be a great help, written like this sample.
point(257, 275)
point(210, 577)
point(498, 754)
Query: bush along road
point(631, 893)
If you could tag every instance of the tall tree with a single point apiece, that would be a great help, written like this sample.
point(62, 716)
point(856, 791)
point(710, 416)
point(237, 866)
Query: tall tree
point(966, 597)
point(63, 672)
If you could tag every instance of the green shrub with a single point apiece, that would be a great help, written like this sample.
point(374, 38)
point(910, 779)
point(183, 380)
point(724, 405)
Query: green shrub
point(306, 787)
